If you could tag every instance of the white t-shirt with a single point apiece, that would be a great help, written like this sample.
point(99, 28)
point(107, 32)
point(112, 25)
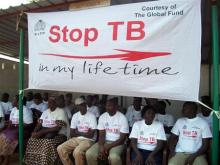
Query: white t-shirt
point(132, 115)
point(83, 123)
point(27, 116)
point(67, 110)
point(190, 132)
point(7, 107)
point(94, 109)
point(147, 135)
point(49, 119)
point(113, 125)
point(2, 116)
point(167, 119)
point(208, 119)
point(41, 107)
point(29, 103)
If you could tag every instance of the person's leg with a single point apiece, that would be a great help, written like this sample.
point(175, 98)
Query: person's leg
point(92, 155)
point(79, 152)
point(144, 154)
point(200, 160)
point(65, 149)
point(115, 155)
point(178, 159)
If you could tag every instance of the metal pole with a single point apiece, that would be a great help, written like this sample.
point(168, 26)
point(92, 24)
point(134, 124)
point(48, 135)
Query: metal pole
point(215, 54)
point(21, 87)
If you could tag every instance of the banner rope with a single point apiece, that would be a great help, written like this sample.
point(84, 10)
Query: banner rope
point(212, 110)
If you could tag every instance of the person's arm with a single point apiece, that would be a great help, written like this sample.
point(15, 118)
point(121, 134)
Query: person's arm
point(201, 151)
point(89, 134)
point(45, 131)
point(101, 142)
point(118, 142)
point(138, 159)
point(172, 144)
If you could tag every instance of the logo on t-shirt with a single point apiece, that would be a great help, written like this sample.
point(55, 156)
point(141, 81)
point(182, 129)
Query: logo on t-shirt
point(148, 140)
point(184, 127)
point(142, 133)
point(192, 134)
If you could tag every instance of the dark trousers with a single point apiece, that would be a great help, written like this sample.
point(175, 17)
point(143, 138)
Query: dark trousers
point(145, 153)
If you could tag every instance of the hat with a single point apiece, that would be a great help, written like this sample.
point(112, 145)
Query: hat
point(79, 101)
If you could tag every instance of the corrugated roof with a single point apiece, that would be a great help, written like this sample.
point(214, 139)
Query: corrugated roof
point(9, 37)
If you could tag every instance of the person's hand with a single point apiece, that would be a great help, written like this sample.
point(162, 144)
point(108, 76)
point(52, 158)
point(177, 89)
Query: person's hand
point(101, 152)
point(138, 160)
point(190, 160)
point(36, 134)
point(107, 147)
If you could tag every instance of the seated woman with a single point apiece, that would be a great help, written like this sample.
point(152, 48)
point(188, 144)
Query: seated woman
point(9, 136)
point(48, 134)
point(147, 139)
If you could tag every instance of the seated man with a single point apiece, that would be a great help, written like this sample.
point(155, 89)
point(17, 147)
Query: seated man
point(133, 113)
point(113, 129)
point(92, 108)
point(166, 119)
point(83, 128)
point(147, 139)
point(190, 138)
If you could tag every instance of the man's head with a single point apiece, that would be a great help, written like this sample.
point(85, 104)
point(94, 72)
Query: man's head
point(151, 101)
point(52, 104)
point(60, 101)
point(137, 103)
point(112, 106)
point(161, 107)
point(80, 104)
point(45, 96)
point(37, 98)
point(89, 100)
point(30, 96)
point(95, 99)
point(68, 98)
point(148, 114)
point(5, 97)
point(190, 110)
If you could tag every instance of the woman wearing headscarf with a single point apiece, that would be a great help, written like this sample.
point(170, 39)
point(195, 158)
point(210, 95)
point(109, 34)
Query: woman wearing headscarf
point(48, 134)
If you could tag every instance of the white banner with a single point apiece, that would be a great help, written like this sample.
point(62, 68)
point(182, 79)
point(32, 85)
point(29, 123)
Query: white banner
point(149, 49)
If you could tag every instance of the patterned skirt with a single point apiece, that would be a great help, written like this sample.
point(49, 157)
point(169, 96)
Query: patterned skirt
point(8, 141)
point(43, 151)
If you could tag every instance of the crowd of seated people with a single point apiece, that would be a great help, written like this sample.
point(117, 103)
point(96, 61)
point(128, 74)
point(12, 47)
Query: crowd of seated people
point(94, 131)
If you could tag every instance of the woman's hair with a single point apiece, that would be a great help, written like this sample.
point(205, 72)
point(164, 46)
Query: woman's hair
point(145, 109)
